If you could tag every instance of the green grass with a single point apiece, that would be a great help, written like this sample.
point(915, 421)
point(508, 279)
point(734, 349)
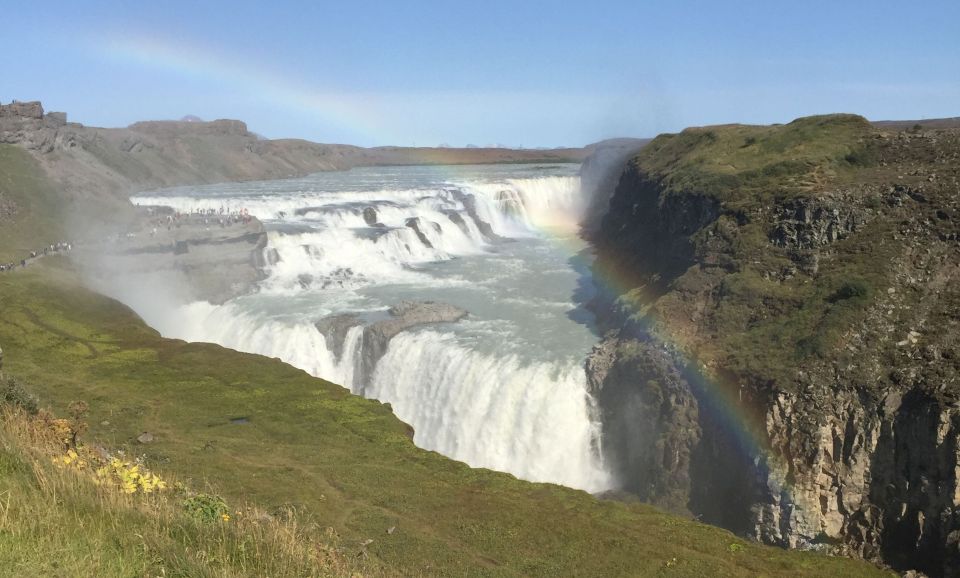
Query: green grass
point(762, 326)
point(342, 461)
point(742, 163)
point(38, 221)
point(56, 521)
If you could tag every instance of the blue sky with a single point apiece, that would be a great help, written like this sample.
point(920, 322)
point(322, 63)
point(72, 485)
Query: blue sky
point(518, 73)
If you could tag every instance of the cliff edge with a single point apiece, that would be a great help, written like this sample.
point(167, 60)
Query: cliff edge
point(781, 346)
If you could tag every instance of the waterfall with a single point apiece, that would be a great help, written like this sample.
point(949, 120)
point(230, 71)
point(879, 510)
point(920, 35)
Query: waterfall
point(481, 391)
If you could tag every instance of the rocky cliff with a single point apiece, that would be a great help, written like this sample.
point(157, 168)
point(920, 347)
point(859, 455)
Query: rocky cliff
point(781, 337)
point(600, 173)
point(192, 257)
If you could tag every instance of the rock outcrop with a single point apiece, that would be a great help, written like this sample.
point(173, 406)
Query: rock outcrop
point(21, 110)
point(377, 333)
point(211, 260)
point(416, 223)
point(782, 350)
point(470, 204)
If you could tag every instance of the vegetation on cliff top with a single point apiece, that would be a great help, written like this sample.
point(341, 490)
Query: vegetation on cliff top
point(36, 216)
point(802, 228)
point(747, 163)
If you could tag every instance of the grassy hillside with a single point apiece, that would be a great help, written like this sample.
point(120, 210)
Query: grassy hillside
point(258, 430)
point(62, 517)
point(34, 214)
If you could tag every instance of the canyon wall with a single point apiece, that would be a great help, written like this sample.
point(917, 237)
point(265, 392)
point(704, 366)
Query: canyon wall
point(780, 348)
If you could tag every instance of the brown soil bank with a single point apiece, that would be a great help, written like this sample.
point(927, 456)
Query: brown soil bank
point(782, 334)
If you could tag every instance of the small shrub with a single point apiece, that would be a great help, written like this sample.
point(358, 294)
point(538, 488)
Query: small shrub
point(861, 157)
point(206, 508)
point(12, 392)
point(129, 477)
point(78, 420)
point(856, 289)
point(812, 345)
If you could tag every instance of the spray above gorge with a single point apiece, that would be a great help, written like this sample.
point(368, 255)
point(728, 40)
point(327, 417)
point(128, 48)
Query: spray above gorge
point(453, 293)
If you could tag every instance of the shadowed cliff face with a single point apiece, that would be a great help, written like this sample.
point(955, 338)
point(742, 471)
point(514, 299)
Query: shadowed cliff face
point(781, 348)
point(600, 173)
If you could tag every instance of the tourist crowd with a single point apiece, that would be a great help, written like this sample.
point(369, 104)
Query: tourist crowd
point(224, 218)
point(61, 247)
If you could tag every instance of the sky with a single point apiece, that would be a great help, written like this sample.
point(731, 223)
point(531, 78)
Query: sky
point(520, 73)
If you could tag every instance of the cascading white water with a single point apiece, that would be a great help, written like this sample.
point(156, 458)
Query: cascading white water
point(504, 389)
point(531, 419)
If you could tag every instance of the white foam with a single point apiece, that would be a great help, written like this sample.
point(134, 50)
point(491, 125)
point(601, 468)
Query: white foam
point(491, 409)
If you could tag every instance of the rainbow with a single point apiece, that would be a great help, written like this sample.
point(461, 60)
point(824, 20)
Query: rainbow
point(719, 397)
point(356, 114)
point(353, 113)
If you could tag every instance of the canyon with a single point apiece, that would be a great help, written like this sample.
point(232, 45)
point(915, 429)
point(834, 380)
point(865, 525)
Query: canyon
point(775, 306)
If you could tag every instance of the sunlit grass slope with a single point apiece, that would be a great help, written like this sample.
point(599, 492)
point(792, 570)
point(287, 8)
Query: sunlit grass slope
point(60, 517)
point(36, 220)
point(256, 430)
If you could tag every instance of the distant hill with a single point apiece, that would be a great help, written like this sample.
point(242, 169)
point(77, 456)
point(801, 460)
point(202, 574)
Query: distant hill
point(97, 168)
point(927, 123)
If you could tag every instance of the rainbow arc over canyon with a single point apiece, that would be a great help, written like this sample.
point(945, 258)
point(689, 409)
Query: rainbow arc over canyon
point(717, 395)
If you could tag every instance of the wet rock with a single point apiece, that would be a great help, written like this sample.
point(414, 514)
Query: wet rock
point(403, 316)
point(470, 204)
point(457, 220)
point(335, 328)
point(415, 224)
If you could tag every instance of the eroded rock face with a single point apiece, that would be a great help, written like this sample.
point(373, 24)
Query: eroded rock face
point(855, 451)
point(650, 427)
point(416, 224)
point(814, 223)
point(377, 334)
point(600, 173)
point(335, 329)
point(209, 262)
point(877, 475)
point(24, 110)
